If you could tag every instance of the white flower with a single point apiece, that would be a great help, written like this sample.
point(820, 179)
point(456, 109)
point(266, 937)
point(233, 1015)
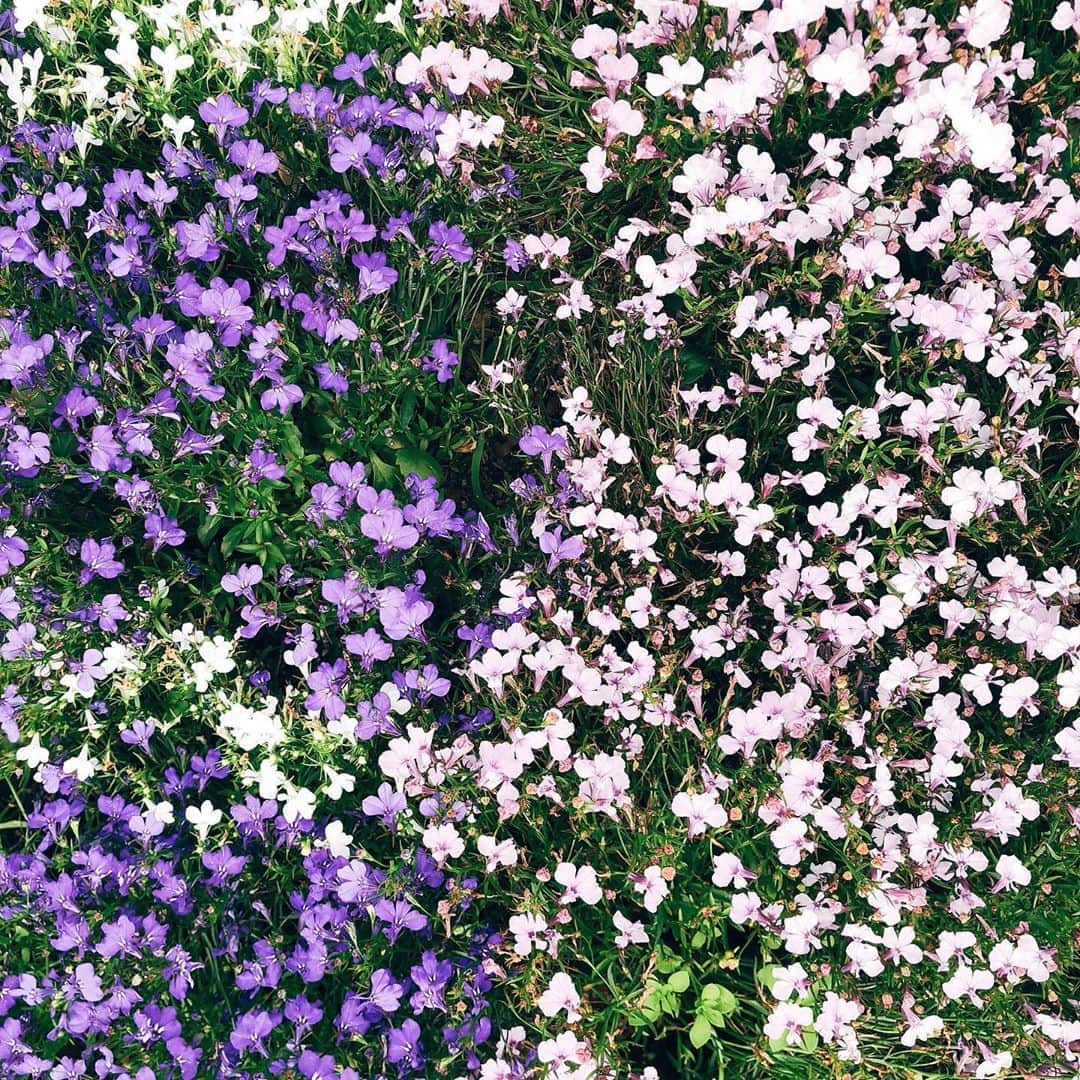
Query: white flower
point(203, 818)
point(269, 778)
point(215, 658)
point(178, 127)
point(337, 783)
point(250, 728)
point(391, 15)
point(297, 803)
point(83, 766)
point(33, 753)
point(171, 61)
point(336, 840)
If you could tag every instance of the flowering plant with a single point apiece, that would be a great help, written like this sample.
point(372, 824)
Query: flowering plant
point(537, 541)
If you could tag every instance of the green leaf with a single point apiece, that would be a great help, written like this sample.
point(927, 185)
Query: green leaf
point(679, 981)
point(667, 962)
point(207, 529)
point(718, 1000)
point(382, 472)
point(411, 459)
point(407, 408)
point(294, 447)
point(700, 1033)
point(236, 535)
point(698, 940)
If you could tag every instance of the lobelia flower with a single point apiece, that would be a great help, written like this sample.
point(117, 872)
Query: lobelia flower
point(447, 242)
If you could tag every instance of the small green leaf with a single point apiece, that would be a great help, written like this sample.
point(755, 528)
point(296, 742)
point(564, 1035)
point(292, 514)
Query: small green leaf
point(666, 963)
point(700, 1033)
point(382, 472)
point(236, 535)
point(411, 459)
point(698, 940)
point(294, 447)
point(207, 529)
point(718, 1000)
point(679, 981)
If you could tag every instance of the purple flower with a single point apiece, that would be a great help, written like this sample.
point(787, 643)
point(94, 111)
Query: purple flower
point(178, 971)
point(389, 531)
point(243, 582)
point(386, 991)
point(368, 647)
point(161, 530)
point(402, 613)
point(385, 805)
point(251, 1029)
point(358, 883)
point(447, 242)
point(139, 734)
point(431, 977)
point(353, 67)
point(349, 153)
point(559, 550)
point(12, 552)
point(326, 684)
point(222, 115)
point(539, 442)
point(264, 92)
point(403, 1045)
point(325, 504)
point(99, 560)
point(398, 915)
point(63, 199)
point(263, 465)
point(514, 256)
point(375, 276)
point(442, 361)
point(119, 938)
point(315, 1066)
point(250, 156)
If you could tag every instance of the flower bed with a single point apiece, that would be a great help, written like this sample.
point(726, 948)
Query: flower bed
point(539, 541)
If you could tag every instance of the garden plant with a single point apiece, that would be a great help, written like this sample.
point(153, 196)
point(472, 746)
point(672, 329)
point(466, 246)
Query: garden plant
point(539, 539)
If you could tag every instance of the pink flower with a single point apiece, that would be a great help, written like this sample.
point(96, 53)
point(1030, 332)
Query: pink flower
point(786, 1023)
point(497, 853)
point(1019, 695)
point(443, 841)
point(619, 118)
point(630, 932)
point(1012, 874)
point(580, 884)
point(595, 169)
point(701, 810)
point(984, 22)
point(968, 982)
point(652, 886)
point(869, 260)
point(1067, 17)
point(561, 995)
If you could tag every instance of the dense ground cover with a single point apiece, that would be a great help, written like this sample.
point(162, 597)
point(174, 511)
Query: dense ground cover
point(539, 540)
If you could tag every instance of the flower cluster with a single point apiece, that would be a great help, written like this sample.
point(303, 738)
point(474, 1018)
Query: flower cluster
point(537, 542)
